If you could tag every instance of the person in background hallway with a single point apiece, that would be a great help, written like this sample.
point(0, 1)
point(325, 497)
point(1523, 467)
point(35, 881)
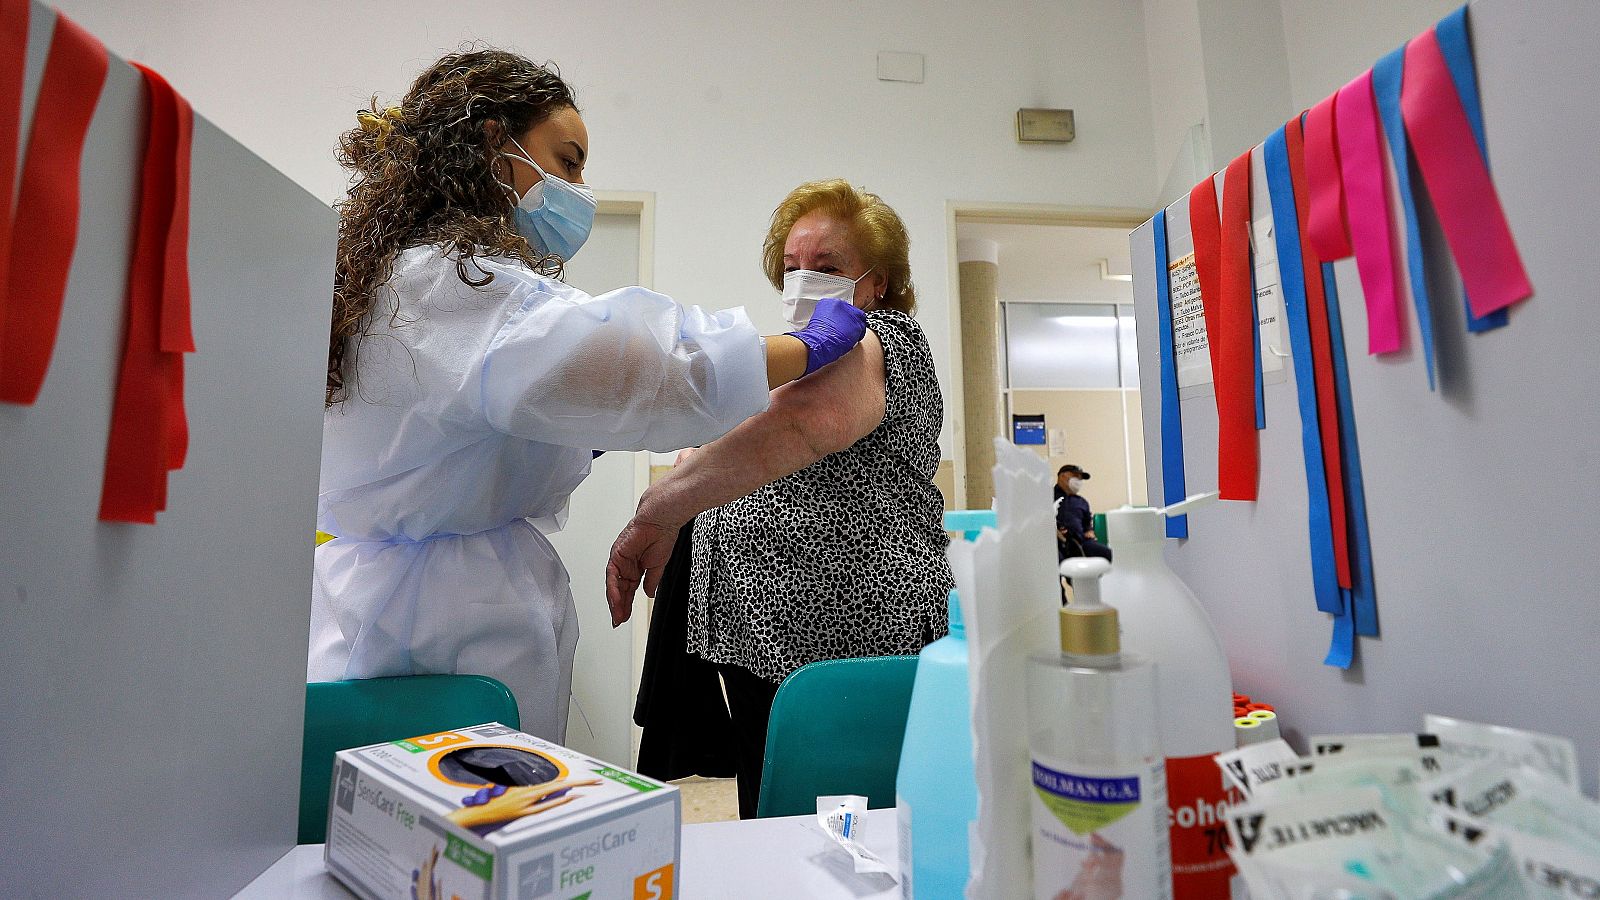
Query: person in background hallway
point(1075, 535)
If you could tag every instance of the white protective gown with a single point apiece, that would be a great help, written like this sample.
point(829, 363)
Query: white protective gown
point(474, 411)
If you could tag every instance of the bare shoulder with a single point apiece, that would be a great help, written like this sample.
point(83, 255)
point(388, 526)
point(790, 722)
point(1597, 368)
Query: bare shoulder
point(855, 373)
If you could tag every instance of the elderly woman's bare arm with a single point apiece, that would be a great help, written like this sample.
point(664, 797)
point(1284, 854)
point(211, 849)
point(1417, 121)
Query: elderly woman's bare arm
point(808, 419)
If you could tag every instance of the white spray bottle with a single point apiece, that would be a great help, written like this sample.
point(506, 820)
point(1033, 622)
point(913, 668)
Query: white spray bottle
point(1163, 622)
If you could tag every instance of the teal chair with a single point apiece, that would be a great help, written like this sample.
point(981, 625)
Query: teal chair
point(969, 522)
point(345, 714)
point(836, 728)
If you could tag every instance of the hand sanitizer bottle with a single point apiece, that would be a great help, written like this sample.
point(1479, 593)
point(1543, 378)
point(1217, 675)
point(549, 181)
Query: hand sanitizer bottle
point(936, 791)
point(1099, 779)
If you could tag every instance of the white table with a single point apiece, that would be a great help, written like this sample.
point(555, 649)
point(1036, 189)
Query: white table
point(774, 859)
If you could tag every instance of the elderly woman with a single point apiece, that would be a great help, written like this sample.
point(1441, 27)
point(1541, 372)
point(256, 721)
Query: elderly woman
point(819, 532)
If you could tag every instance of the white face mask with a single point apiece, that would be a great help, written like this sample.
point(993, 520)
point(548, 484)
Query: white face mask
point(802, 288)
point(1075, 483)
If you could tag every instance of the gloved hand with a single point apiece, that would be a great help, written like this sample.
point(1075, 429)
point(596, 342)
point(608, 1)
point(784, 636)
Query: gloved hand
point(835, 328)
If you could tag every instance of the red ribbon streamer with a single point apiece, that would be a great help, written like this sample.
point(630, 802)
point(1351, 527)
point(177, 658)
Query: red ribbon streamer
point(1238, 442)
point(1367, 202)
point(177, 333)
point(13, 61)
point(1322, 357)
point(1325, 230)
point(47, 210)
point(1458, 181)
point(1205, 225)
point(149, 431)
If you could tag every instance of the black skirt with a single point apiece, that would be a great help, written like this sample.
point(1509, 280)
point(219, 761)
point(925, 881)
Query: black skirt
point(687, 729)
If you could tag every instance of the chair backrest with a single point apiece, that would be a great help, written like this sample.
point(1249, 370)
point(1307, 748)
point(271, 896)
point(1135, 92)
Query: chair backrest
point(345, 714)
point(836, 728)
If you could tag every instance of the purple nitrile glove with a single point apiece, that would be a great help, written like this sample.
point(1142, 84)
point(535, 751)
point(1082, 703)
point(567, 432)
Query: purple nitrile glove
point(835, 328)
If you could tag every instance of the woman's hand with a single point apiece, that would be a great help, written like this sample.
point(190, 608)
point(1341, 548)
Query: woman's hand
point(640, 553)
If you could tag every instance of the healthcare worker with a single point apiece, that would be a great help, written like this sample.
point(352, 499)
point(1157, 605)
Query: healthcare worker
point(468, 387)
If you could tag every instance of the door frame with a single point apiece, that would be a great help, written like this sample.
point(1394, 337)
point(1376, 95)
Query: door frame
point(640, 204)
point(965, 211)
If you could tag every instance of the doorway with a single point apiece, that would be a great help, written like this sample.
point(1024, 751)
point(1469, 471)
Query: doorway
point(1050, 291)
point(606, 671)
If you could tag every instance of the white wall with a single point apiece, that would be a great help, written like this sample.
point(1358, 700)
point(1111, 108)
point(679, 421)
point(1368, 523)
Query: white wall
point(1177, 75)
point(1242, 67)
point(720, 106)
point(1330, 43)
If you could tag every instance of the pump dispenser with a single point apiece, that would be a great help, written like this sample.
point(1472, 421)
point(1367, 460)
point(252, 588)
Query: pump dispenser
point(1088, 626)
point(1099, 801)
point(1164, 622)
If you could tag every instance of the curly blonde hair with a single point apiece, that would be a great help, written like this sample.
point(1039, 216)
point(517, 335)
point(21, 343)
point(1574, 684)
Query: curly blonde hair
point(876, 228)
point(424, 174)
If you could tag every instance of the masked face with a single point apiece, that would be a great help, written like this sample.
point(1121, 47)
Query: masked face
point(802, 288)
point(821, 260)
point(555, 215)
point(1076, 484)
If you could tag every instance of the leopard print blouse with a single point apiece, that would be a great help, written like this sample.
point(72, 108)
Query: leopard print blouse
point(844, 558)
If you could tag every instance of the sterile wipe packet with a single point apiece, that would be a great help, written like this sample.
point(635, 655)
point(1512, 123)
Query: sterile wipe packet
point(1550, 870)
point(1472, 742)
point(1396, 778)
point(1423, 747)
point(843, 817)
point(1522, 800)
point(1313, 846)
point(1276, 881)
point(1255, 764)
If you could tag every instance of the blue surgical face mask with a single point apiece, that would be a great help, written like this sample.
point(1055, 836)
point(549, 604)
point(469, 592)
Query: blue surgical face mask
point(555, 215)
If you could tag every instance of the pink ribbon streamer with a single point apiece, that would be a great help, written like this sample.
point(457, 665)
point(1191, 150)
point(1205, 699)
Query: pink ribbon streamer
point(1325, 229)
point(1367, 207)
point(1458, 181)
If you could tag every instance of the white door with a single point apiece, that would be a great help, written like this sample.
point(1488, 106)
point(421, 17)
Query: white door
point(605, 673)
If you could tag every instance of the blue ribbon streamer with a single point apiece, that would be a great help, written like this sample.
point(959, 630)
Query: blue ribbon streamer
point(1342, 649)
point(1173, 485)
point(1286, 229)
point(1456, 45)
point(1387, 76)
point(1255, 334)
point(1363, 598)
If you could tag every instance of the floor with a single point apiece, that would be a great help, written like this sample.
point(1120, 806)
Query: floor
point(708, 799)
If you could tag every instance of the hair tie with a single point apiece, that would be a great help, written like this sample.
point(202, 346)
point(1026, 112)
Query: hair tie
point(380, 123)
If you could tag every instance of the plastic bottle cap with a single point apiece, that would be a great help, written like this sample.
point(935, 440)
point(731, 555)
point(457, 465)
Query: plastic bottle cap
point(1088, 627)
point(1144, 524)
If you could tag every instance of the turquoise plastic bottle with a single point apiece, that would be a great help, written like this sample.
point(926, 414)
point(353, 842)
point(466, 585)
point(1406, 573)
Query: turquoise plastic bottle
point(936, 792)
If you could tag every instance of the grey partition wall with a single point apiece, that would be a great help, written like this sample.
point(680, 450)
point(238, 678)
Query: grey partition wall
point(152, 677)
point(1483, 498)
